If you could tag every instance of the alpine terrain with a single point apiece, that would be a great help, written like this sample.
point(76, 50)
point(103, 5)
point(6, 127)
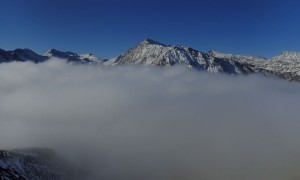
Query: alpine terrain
point(149, 52)
point(23, 55)
point(152, 53)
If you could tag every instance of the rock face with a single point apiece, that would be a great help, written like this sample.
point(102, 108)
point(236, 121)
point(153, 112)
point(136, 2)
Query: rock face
point(38, 164)
point(149, 52)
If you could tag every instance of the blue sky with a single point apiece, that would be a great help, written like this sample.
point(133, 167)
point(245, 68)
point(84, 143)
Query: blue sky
point(107, 28)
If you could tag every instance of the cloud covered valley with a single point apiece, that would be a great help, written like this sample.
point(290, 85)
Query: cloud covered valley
point(132, 122)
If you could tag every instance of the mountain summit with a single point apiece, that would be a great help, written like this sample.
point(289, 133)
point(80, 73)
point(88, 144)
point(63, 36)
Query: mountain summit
point(288, 56)
point(60, 54)
point(148, 41)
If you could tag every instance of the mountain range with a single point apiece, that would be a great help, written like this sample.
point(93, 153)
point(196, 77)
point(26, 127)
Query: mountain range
point(23, 55)
point(152, 53)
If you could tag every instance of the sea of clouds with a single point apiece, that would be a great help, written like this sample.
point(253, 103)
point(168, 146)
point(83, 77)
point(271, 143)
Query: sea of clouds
point(149, 123)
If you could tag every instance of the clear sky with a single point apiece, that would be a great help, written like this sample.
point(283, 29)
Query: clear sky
point(109, 27)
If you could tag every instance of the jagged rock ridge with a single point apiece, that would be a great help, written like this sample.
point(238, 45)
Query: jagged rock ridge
point(34, 163)
point(23, 55)
point(152, 53)
point(149, 52)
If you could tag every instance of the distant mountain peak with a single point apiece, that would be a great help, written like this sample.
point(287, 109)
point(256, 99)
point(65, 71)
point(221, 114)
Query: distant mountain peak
point(148, 41)
point(25, 50)
point(288, 55)
point(61, 54)
point(214, 53)
point(293, 53)
point(289, 52)
point(22, 49)
point(91, 57)
point(50, 52)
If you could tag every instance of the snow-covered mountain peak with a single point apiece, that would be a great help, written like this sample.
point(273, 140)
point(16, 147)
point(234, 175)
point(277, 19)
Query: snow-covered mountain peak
point(54, 52)
point(91, 57)
point(166, 56)
point(57, 53)
point(215, 53)
point(88, 55)
point(73, 57)
point(50, 52)
point(288, 56)
point(148, 41)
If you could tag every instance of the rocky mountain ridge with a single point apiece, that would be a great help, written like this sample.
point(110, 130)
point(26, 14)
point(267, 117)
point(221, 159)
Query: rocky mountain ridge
point(23, 55)
point(149, 52)
point(153, 53)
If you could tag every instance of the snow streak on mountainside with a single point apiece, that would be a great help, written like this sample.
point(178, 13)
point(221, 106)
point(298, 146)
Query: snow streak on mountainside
point(39, 164)
point(149, 52)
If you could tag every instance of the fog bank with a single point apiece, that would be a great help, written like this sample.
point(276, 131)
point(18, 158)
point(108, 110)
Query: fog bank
point(148, 123)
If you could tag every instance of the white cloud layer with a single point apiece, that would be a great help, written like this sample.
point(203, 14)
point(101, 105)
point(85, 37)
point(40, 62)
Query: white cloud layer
point(146, 123)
